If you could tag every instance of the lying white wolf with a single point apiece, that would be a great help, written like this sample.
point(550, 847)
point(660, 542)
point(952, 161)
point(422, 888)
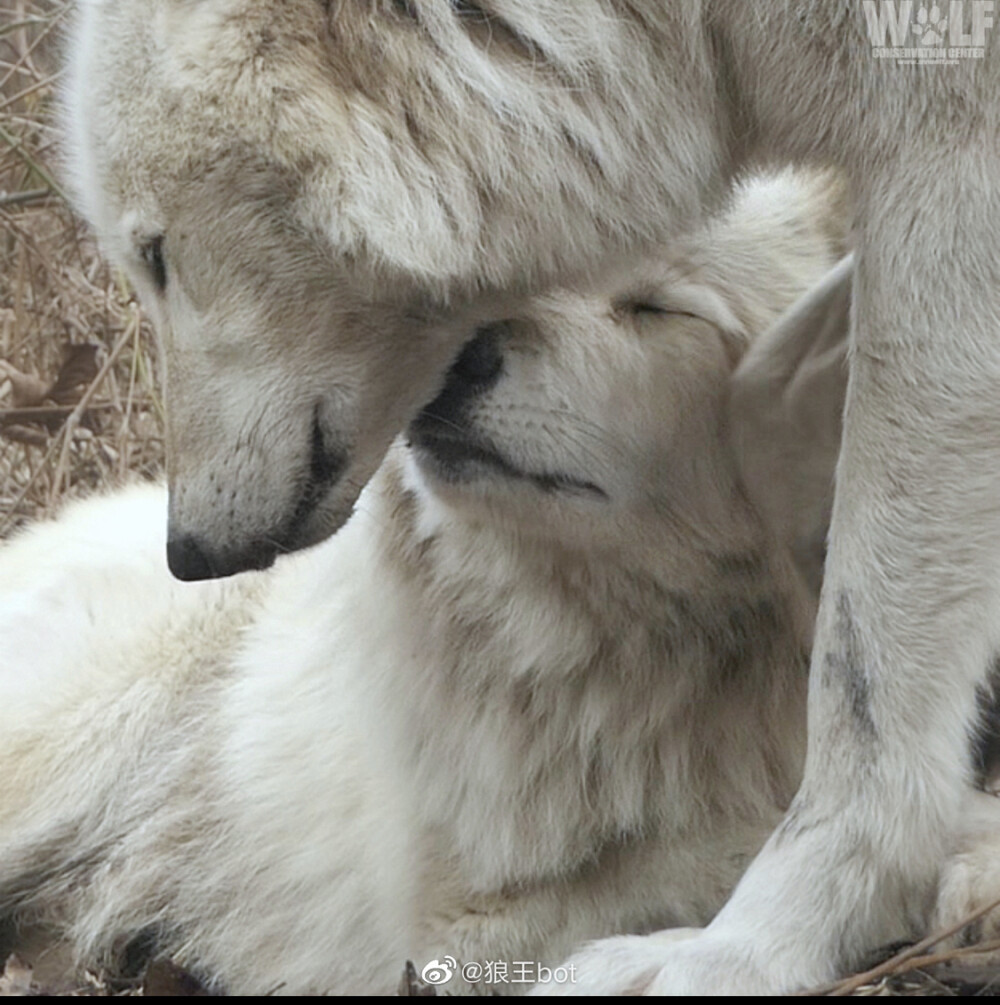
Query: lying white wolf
point(548, 684)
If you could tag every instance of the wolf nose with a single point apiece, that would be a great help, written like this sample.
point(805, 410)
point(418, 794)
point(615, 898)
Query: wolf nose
point(481, 361)
point(187, 561)
point(190, 560)
point(475, 370)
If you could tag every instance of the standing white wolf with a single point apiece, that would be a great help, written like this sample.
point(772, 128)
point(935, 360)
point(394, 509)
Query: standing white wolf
point(548, 683)
point(312, 194)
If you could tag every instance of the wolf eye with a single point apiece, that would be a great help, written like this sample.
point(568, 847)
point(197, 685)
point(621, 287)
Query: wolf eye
point(464, 9)
point(649, 308)
point(152, 254)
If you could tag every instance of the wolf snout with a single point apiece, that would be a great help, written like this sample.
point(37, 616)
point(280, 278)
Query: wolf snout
point(476, 369)
point(203, 543)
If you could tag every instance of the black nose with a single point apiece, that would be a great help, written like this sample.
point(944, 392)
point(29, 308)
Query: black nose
point(475, 370)
point(187, 560)
point(481, 361)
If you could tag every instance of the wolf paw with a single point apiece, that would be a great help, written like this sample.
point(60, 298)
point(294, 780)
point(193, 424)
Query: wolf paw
point(685, 961)
point(970, 877)
point(970, 884)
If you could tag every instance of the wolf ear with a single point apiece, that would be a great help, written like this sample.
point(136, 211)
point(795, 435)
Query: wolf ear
point(785, 413)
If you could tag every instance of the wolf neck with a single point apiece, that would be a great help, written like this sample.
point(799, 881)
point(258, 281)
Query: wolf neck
point(580, 704)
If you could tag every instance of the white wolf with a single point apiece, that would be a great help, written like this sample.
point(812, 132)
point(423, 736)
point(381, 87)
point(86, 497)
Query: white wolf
point(315, 194)
point(547, 684)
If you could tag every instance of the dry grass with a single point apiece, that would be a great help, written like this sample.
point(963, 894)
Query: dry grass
point(56, 292)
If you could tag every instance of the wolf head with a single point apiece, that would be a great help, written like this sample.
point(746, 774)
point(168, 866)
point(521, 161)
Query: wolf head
point(654, 403)
point(317, 201)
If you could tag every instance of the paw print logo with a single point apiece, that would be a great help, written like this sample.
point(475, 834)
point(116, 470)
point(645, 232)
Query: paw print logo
point(930, 27)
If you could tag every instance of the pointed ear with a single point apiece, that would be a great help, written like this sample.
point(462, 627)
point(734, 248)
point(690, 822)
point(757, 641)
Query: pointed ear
point(785, 410)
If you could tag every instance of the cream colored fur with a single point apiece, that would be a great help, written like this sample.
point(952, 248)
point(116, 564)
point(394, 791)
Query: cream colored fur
point(493, 716)
point(332, 190)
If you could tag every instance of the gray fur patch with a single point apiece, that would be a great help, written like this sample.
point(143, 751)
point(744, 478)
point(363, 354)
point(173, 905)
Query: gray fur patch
point(748, 565)
point(845, 664)
point(985, 739)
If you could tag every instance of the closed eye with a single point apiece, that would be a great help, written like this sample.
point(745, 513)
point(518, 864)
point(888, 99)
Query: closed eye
point(152, 254)
point(649, 308)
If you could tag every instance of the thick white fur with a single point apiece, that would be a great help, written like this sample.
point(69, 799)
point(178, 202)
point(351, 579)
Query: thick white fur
point(488, 720)
point(337, 183)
